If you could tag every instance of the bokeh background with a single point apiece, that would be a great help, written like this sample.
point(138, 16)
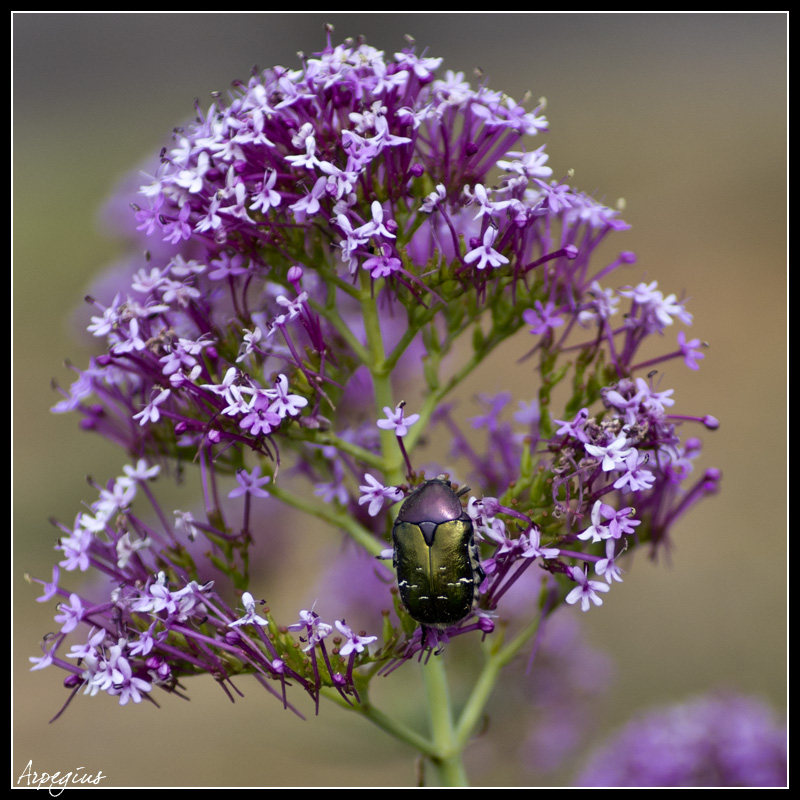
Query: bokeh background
point(683, 115)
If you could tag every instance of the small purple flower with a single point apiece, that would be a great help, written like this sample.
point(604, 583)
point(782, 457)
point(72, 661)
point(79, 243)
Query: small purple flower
point(260, 420)
point(355, 643)
point(334, 490)
point(140, 472)
point(42, 662)
point(597, 531)
point(658, 311)
point(613, 454)
point(575, 427)
point(267, 198)
point(434, 199)
point(601, 306)
point(623, 523)
point(250, 616)
point(690, 351)
point(50, 589)
point(128, 686)
point(77, 548)
point(315, 630)
point(530, 546)
point(396, 420)
point(90, 648)
point(126, 547)
point(558, 195)
point(376, 226)
point(150, 413)
point(636, 478)
point(543, 319)
point(250, 483)
point(485, 254)
point(285, 404)
point(607, 566)
point(586, 590)
point(382, 266)
point(375, 493)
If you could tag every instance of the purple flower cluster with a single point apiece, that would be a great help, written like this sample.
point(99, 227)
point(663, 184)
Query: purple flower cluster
point(717, 741)
point(311, 240)
point(152, 630)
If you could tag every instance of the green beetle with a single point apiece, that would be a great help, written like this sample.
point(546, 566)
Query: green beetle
point(435, 556)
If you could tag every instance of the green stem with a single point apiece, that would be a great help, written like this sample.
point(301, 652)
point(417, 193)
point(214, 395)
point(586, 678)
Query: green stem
point(390, 725)
point(328, 513)
point(381, 381)
point(487, 680)
point(331, 314)
point(327, 438)
point(447, 763)
point(432, 401)
point(406, 339)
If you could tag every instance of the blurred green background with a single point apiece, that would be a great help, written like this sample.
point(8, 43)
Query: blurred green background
point(683, 115)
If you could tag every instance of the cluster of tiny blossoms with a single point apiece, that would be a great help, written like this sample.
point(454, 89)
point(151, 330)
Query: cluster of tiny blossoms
point(718, 740)
point(308, 243)
point(134, 635)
